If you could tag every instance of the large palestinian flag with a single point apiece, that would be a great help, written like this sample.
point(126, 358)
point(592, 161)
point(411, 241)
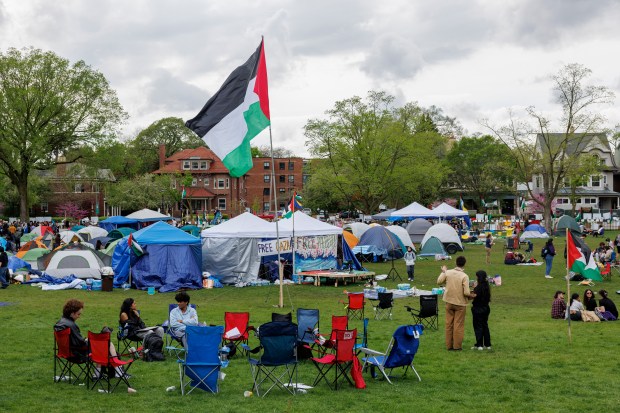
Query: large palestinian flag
point(580, 259)
point(236, 113)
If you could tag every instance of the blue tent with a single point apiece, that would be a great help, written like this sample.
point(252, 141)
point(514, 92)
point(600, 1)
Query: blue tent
point(382, 241)
point(535, 227)
point(171, 259)
point(117, 221)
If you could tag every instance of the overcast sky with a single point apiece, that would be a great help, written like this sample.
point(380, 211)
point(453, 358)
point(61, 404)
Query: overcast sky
point(474, 59)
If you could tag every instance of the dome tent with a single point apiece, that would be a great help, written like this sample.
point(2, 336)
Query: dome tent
point(533, 231)
point(417, 229)
point(447, 235)
point(382, 242)
point(402, 235)
point(564, 222)
point(432, 247)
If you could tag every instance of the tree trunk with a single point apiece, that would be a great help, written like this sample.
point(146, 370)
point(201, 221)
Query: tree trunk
point(547, 215)
point(24, 208)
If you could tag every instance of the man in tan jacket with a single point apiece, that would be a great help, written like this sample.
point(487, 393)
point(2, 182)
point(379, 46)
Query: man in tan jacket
point(456, 296)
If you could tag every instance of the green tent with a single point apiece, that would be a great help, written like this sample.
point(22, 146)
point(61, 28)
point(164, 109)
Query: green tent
point(109, 250)
point(192, 230)
point(432, 247)
point(121, 232)
point(34, 254)
point(28, 237)
point(564, 222)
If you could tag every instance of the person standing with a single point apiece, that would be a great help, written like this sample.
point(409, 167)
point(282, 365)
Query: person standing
point(480, 311)
point(548, 254)
point(410, 263)
point(4, 270)
point(558, 307)
point(455, 296)
point(488, 244)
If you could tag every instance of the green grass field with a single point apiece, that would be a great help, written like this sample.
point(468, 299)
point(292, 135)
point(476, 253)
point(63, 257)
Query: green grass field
point(532, 367)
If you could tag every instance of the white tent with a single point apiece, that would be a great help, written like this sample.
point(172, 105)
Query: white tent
point(413, 210)
point(447, 235)
point(402, 235)
point(444, 210)
point(69, 236)
point(145, 215)
point(92, 231)
point(357, 228)
point(245, 225)
point(304, 225)
point(81, 263)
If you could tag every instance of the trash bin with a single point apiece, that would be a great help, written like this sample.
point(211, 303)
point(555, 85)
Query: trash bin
point(107, 283)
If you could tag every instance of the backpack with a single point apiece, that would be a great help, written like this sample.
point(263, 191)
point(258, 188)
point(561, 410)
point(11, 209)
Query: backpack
point(153, 346)
point(543, 252)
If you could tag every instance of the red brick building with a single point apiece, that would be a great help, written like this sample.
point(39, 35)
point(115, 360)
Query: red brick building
point(212, 186)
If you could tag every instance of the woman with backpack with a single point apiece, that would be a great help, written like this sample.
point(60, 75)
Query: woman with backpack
point(130, 321)
point(548, 252)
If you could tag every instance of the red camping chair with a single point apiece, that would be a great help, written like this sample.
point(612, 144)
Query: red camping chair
point(99, 353)
point(236, 330)
point(355, 306)
point(65, 360)
point(340, 359)
point(606, 272)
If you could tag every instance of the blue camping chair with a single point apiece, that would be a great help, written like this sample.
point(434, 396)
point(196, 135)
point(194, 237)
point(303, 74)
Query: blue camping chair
point(307, 324)
point(276, 366)
point(400, 352)
point(201, 367)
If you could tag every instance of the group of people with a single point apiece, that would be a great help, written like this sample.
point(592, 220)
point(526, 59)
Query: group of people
point(456, 296)
point(585, 309)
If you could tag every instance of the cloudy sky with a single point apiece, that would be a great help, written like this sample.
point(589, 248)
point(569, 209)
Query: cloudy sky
point(474, 59)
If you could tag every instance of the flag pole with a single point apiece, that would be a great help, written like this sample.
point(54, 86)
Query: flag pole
point(275, 204)
point(570, 338)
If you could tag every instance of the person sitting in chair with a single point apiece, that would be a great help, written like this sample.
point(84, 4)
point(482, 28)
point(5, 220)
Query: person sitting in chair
point(182, 316)
point(130, 320)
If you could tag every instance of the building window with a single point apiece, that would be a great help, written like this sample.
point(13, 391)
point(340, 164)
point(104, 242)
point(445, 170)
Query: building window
point(174, 184)
point(221, 183)
point(265, 165)
point(221, 203)
point(265, 206)
point(204, 165)
point(205, 181)
point(282, 166)
point(282, 178)
point(194, 181)
point(266, 191)
point(596, 180)
point(291, 178)
point(194, 164)
point(267, 178)
point(282, 190)
point(537, 182)
point(563, 201)
point(291, 166)
point(227, 183)
point(78, 188)
point(44, 207)
point(282, 205)
point(589, 200)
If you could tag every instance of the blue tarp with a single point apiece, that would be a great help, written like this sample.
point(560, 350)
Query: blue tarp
point(17, 263)
point(116, 221)
point(171, 260)
point(381, 239)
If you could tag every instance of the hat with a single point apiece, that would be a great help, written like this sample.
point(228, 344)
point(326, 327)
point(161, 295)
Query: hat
point(558, 292)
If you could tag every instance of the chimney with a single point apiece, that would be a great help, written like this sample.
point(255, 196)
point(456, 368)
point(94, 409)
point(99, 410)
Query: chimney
point(162, 156)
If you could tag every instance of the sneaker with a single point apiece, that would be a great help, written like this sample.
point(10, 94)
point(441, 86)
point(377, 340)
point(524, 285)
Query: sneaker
point(480, 348)
point(409, 279)
point(488, 348)
point(476, 348)
point(548, 276)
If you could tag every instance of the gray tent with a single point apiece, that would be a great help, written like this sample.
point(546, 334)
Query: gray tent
point(432, 247)
point(417, 229)
point(566, 222)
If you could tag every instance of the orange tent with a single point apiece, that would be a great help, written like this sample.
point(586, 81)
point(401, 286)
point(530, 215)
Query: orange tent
point(350, 239)
point(36, 243)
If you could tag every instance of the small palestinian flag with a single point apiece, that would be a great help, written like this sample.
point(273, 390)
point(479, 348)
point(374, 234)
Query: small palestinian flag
point(135, 247)
point(236, 114)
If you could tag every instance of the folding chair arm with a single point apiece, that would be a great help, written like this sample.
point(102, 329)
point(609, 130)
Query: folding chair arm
point(371, 352)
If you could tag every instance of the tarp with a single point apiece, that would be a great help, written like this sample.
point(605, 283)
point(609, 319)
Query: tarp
point(117, 221)
point(432, 247)
point(121, 232)
point(417, 229)
point(444, 210)
point(17, 263)
point(445, 233)
point(383, 240)
point(564, 222)
point(413, 210)
point(357, 228)
point(402, 235)
point(171, 259)
point(148, 215)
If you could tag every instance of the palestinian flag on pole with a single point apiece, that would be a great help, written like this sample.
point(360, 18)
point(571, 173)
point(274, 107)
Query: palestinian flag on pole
point(236, 113)
point(577, 262)
point(294, 205)
point(135, 247)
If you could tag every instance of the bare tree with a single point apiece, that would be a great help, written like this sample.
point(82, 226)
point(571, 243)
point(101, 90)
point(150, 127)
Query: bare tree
point(547, 156)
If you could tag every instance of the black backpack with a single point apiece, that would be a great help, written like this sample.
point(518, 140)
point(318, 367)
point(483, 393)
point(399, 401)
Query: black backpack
point(543, 252)
point(152, 348)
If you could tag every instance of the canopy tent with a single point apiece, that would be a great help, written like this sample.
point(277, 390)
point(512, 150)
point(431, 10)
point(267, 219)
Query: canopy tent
point(70, 236)
point(75, 259)
point(148, 215)
point(357, 228)
point(118, 221)
point(191, 229)
point(432, 247)
point(402, 235)
point(417, 229)
point(382, 216)
point(170, 260)
point(304, 225)
point(121, 232)
point(245, 225)
point(445, 211)
point(380, 241)
point(564, 222)
point(413, 210)
point(350, 239)
point(92, 231)
point(447, 235)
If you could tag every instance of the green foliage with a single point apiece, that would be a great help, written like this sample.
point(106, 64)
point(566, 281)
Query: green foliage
point(145, 191)
point(372, 152)
point(48, 107)
point(38, 191)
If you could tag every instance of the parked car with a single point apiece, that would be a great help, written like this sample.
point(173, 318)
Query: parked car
point(348, 214)
point(307, 211)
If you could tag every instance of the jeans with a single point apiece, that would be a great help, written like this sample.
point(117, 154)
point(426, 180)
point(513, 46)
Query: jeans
point(480, 317)
point(4, 277)
point(410, 270)
point(549, 263)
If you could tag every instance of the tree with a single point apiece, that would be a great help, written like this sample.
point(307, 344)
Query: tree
point(578, 175)
point(550, 157)
point(371, 151)
point(265, 151)
point(171, 132)
point(481, 165)
point(47, 107)
point(72, 210)
point(146, 191)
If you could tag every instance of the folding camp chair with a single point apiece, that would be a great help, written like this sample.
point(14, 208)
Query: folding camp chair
point(355, 306)
point(109, 365)
point(364, 342)
point(307, 325)
point(400, 352)
point(606, 272)
point(124, 342)
point(428, 313)
point(173, 344)
point(288, 317)
point(340, 359)
point(236, 330)
point(383, 309)
point(276, 365)
point(512, 244)
point(200, 368)
point(65, 361)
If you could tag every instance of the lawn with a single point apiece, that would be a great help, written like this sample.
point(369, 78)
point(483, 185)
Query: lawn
point(532, 367)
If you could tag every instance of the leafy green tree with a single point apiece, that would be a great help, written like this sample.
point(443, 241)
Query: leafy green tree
point(38, 191)
point(481, 165)
point(371, 151)
point(145, 191)
point(552, 155)
point(171, 132)
point(47, 107)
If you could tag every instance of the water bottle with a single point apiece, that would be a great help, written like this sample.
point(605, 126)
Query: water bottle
point(89, 284)
point(224, 356)
point(171, 388)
